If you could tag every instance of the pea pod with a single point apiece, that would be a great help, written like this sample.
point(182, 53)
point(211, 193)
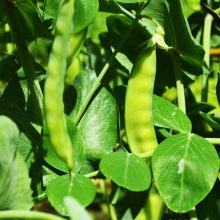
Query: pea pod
point(73, 62)
point(54, 86)
point(76, 42)
point(138, 105)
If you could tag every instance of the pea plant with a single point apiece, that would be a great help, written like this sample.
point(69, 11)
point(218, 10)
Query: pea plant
point(109, 109)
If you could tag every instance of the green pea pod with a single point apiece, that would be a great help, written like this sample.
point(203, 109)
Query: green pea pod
point(73, 70)
point(138, 105)
point(54, 85)
point(76, 42)
point(73, 62)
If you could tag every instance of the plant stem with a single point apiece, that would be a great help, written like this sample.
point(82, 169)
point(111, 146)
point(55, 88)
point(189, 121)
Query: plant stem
point(104, 70)
point(206, 45)
point(146, 154)
point(213, 140)
point(26, 61)
point(131, 16)
point(30, 215)
point(93, 174)
point(192, 214)
point(41, 196)
point(113, 212)
point(179, 84)
point(111, 208)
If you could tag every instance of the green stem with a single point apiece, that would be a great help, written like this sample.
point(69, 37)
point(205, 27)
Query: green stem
point(146, 154)
point(192, 214)
point(93, 174)
point(206, 45)
point(104, 70)
point(132, 17)
point(213, 140)
point(111, 208)
point(41, 196)
point(26, 60)
point(179, 84)
point(30, 215)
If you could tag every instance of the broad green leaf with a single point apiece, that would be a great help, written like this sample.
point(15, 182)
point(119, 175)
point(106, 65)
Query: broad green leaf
point(75, 209)
point(131, 172)
point(51, 7)
point(15, 192)
point(48, 176)
point(209, 208)
point(214, 122)
point(85, 12)
point(77, 144)
point(98, 125)
point(169, 14)
point(167, 115)
point(130, 1)
point(25, 148)
point(185, 168)
point(80, 187)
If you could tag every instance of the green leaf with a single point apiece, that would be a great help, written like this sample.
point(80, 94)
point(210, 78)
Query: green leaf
point(48, 176)
point(98, 125)
point(25, 148)
point(167, 115)
point(80, 187)
point(15, 192)
point(85, 12)
point(51, 7)
point(185, 168)
point(213, 122)
point(130, 1)
point(77, 144)
point(117, 26)
point(75, 209)
point(126, 170)
point(169, 14)
point(29, 18)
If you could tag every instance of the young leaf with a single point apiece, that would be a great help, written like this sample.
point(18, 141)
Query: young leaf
point(213, 122)
point(167, 115)
point(169, 14)
point(75, 209)
point(15, 192)
point(98, 125)
point(185, 168)
point(77, 144)
point(80, 187)
point(126, 170)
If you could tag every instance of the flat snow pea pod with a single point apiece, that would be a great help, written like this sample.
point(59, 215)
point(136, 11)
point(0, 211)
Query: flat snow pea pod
point(138, 105)
point(54, 86)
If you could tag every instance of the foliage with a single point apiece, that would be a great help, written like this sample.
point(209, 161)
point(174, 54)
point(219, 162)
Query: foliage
point(177, 126)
